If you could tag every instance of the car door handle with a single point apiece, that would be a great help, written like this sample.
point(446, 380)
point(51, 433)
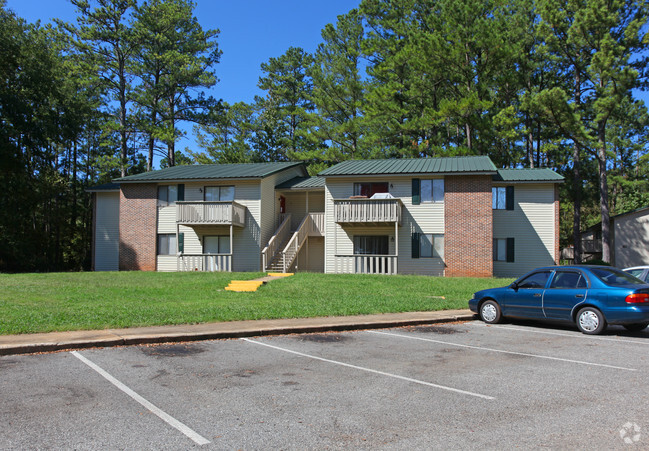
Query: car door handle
point(537, 295)
point(579, 295)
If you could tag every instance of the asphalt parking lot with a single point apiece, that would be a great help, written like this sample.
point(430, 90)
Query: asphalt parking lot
point(461, 386)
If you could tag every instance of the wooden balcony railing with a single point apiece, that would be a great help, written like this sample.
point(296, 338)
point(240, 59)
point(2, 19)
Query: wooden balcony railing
point(318, 224)
point(214, 213)
point(205, 262)
point(367, 211)
point(366, 264)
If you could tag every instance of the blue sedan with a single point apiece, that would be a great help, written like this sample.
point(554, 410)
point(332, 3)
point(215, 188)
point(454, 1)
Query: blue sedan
point(589, 296)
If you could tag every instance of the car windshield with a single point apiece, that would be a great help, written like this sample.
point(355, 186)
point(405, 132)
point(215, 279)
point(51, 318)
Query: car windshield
point(615, 277)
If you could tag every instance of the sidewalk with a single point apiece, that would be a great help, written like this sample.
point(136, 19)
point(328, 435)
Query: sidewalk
point(56, 341)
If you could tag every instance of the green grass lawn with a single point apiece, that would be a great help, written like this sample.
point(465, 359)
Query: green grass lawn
point(75, 301)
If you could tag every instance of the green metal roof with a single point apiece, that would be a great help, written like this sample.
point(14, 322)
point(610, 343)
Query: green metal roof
point(446, 165)
point(211, 171)
point(303, 183)
point(527, 175)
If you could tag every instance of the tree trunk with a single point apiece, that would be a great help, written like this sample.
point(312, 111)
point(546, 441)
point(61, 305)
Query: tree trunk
point(603, 192)
point(577, 182)
point(576, 188)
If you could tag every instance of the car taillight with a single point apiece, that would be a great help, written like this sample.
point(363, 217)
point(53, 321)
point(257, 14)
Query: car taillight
point(637, 298)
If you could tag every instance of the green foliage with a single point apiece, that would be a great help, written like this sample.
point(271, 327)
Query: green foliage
point(287, 103)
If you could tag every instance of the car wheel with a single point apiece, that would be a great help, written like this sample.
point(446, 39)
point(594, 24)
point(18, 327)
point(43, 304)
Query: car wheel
point(490, 312)
point(635, 327)
point(591, 321)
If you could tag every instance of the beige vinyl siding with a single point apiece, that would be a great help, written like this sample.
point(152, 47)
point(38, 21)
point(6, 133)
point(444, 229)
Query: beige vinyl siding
point(296, 205)
point(631, 233)
point(532, 226)
point(424, 218)
point(311, 256)
point(246, 240)
point(107, 232)
point(270, 201)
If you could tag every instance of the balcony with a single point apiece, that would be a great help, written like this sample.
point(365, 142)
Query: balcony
point(591, 246)
point(210, 213)
point(367, 211)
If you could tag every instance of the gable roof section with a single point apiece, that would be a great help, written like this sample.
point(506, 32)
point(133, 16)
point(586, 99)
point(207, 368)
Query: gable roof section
point(412, 166)
point(303, 183)
point(528, 175)
point(211, 172)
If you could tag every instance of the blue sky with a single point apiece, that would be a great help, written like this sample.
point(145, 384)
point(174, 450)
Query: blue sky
point(252, 31)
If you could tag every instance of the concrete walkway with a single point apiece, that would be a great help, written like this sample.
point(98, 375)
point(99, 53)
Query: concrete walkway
point(56, 341)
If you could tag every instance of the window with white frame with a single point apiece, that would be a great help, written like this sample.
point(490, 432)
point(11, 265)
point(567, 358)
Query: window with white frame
point(167, 195)
point(432, 191)
point(167, 244)
point(216, 244)
point(502, 197)
point(503, 249)
point(219, 193)
point(368, 189)
point(427, 245)
point(371, 245)
point(431, 245)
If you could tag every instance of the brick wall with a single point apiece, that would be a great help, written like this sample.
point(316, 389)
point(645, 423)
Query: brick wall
point(468, 236)
point(137, 227)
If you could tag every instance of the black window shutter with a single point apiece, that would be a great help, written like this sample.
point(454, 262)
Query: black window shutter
point(510, 249)
point(495, 250)
point(415, 245)
point(416, 193)
point(181, 243)
point(181, 192)
point(510, 198)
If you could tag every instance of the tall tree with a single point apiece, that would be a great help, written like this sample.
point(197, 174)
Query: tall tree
point(288, 87)
point(595, 42)
point(175, 62)
point(338, 93)
point(229, 138)
point(105, 36)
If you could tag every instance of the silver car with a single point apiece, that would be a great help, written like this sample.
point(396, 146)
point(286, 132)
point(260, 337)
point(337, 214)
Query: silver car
point(641, 272)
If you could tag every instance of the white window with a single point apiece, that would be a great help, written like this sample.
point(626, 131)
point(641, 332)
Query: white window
point(371, 245)
point(166, 244)
point(431, 245)
point(167, 195)
point(432, 190)
point(216, 244)
point(500, 249)
point(503, 250)
point(219, 193)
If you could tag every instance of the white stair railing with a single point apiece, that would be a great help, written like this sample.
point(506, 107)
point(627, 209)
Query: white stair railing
point(271, 249)
point(289, 253)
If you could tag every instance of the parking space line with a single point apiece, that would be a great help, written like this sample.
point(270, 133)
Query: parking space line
point(152, 408)
point(369, 370)
point(575, 335)
point(480, 348)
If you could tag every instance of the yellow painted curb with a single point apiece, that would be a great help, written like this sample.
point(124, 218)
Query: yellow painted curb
point(280, 274)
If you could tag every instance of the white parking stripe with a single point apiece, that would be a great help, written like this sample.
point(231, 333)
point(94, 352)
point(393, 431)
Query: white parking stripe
point(153, 409)
point(547, 332)
point(369, 370)
point(480, 348)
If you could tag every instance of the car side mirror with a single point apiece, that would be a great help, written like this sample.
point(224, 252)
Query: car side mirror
point(514, 286)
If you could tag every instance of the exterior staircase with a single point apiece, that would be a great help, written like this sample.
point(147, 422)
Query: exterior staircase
point(277, 263)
